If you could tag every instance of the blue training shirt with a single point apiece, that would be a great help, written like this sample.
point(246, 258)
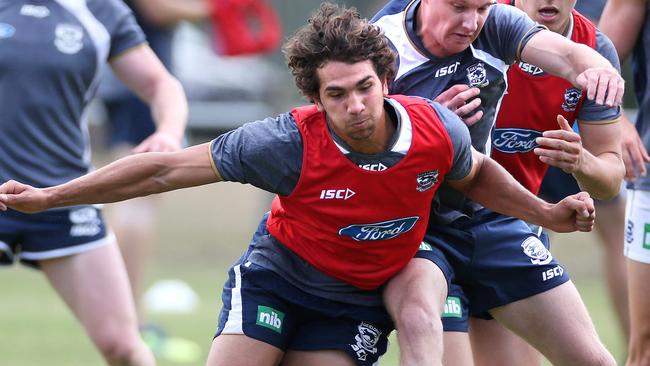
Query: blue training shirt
point(51, 54)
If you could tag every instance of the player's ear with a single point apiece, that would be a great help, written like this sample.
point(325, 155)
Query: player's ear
point(319, 105)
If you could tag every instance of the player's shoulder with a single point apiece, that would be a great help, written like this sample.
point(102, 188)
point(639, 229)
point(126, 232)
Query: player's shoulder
point(108, 9)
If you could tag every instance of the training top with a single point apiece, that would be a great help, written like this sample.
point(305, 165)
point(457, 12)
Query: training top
point(533, 101)
point(484, 64)
point(271, 155)
point(641, 72)
point(356, 225)
point(51, 53)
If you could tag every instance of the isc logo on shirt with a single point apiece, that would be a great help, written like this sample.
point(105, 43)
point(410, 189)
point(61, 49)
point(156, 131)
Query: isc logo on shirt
point(336, 194)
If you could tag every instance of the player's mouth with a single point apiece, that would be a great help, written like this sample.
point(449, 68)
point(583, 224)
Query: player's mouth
point(360, 123)
point(548, 13)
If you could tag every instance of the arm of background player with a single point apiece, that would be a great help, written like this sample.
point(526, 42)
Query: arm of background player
point(133, 176)
point(578, 63)
point(141, 71)
point(170, 12)
point(492, 186)
point(621, 21)
point(635, 155)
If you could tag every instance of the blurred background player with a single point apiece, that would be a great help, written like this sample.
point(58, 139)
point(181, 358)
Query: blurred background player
point(51, 58)
point(627, 23)
point(130, 121)
point(519, 123)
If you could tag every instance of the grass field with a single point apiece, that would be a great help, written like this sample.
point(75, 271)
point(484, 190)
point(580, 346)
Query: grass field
point(201, 232)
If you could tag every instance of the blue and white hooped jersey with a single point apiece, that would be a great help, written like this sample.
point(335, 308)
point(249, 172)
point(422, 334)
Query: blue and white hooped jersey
point(51, 53)
point(483, 64)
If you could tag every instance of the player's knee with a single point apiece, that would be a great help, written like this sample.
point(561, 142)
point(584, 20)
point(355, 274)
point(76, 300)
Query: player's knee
point(120, 350)
point(418, 318)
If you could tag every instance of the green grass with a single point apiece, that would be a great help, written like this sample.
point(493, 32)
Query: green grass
point(201, 232)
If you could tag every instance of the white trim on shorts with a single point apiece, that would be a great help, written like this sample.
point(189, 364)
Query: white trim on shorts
point(63, 252)
point(235, 319)
point(5, 248)
point(637, 226)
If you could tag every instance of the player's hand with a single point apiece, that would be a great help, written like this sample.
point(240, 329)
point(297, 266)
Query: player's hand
point(635, 155)
point(22, 197)
point(561, 148)
point(575, 212)
point(158, 142)
point(603, 85)
point(456, 99)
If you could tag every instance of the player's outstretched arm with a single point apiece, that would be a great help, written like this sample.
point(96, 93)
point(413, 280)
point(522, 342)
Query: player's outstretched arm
point(622, 21)
point(578, 63)
point(132, 176)
point(492, 186)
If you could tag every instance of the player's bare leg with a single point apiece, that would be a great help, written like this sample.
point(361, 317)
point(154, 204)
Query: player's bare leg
point(95, 287)
point(240, 350)
point(317, 358)
point(495, 345)
point(610, 227)
point(457, 349)
point(639, 286)
point(556, 322)
point(415, 299)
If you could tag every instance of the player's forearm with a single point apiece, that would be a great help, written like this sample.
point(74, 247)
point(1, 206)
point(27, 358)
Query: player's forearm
point(621, 21)
point(601, 176)
point(497, 190)
point(170, 12)
point(169, 107)
point(560, 57)
point(130, 177)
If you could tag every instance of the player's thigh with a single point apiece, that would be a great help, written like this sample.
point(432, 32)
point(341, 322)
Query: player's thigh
point(421, 283)
point(555, 322)
point(95, 286)
point(494, 344)
point(639, 295)
point(240, 350)
point(457, 349)
point(317, 358)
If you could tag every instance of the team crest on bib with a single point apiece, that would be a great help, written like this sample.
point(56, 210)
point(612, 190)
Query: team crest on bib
point(426, 180)
point(571, 99)
point(477, 75)
point(68, 38)
point(367, 340)
point(537, 252)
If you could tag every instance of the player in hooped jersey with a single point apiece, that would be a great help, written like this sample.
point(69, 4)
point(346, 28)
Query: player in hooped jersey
point(499, 261)
point(530, 137)
point(51, 56)
point(309, 284)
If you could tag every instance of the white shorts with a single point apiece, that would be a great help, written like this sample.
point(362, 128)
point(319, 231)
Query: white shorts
point(637, 226)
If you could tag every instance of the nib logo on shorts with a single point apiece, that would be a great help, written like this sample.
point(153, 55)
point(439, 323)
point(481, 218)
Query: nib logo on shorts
point(269, 318)
point(453, 308)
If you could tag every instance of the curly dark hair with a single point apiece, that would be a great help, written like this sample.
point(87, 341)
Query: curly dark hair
point(336, 34)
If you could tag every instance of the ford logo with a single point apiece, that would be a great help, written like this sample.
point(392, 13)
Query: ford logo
point(379, 231)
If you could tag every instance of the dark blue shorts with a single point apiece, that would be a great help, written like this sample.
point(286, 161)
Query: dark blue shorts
point(557, 184)
point(50, 234)
point(490, 261)
point(262, 305)
point(130, 121)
